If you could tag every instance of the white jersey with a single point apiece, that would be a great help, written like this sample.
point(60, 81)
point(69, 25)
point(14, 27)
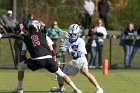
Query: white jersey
point(101, 29)
point(78, 45)
point(89, 7)
point(75, 65)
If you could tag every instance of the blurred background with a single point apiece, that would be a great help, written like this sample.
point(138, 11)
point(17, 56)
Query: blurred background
point(69, 11)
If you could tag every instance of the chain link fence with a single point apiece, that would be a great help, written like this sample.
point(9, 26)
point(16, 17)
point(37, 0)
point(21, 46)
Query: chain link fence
point(112, 51)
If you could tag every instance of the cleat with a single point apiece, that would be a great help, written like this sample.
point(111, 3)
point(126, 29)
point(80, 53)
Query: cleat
point(100, 90)
point(92, 67)
point(78, 91)
point(18, 90)
point(57, 89)
point(100, 67)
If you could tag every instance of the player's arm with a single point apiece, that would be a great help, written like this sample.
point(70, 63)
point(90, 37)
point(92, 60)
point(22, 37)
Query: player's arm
point(70, 50)
point(81, 50)
point(53, 52)
point(50, 43)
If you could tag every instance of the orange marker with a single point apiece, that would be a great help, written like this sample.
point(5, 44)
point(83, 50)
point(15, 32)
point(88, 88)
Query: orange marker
point(105, 67)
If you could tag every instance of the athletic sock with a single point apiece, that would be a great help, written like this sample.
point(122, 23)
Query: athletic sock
point(98, 87)
point(73, 86)
point(19, 84)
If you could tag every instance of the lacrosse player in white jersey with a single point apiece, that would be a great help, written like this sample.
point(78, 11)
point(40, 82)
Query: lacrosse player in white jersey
point(75, 46)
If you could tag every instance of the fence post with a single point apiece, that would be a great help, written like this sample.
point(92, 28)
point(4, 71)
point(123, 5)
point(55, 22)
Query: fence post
point(110, 53)
point(12, 50)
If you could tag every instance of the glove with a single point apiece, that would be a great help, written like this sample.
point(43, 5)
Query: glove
point(70, 50)
point(64, 48)
point(57, 63)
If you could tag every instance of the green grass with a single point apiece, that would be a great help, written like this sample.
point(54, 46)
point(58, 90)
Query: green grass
point(117, 81)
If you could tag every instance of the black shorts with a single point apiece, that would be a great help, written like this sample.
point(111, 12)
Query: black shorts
point(48, 64)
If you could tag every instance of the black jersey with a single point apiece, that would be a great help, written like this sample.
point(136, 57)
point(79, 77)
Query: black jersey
point(37, 45)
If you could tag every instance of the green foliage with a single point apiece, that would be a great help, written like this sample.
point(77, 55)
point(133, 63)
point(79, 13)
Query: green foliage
point(130, 13)
point(2, 11)
point(70, 11)
point(4, 6)
point(114, 23)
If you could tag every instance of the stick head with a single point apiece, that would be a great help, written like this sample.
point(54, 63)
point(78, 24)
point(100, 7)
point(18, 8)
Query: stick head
point(64, 35)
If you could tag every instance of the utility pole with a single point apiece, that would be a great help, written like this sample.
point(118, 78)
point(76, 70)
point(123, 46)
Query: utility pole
point(14, 4)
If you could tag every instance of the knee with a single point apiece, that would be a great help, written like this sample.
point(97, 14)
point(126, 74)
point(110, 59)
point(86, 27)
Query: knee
point(86, 73)
point(60, 73)
point(21, 66)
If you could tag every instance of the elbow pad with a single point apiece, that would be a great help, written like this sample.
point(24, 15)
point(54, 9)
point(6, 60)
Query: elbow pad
point(53, 52)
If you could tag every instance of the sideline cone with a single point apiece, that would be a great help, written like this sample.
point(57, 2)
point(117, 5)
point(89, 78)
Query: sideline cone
point(105, 67)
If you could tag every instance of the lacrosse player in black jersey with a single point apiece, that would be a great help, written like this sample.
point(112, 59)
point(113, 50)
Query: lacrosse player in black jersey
point(42, 56)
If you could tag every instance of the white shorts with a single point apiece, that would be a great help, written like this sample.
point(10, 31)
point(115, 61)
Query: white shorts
point(74, 66)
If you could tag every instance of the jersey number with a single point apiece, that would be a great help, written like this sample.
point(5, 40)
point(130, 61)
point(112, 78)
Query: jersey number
point(35, 40)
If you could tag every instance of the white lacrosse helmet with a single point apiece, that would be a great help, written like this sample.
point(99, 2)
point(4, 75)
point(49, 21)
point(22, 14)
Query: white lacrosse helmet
point(74, 30)
point(34, 24)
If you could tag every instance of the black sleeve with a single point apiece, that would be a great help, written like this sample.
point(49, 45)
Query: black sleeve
point(125, 32)
point(99, 34)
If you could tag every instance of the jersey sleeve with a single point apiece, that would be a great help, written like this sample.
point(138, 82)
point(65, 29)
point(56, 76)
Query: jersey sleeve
point(81, 47)
point(49, 41)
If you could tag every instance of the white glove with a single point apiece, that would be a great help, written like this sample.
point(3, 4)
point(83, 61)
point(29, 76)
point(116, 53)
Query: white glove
point(70, 50)
point(64, 48)
point(0, 35)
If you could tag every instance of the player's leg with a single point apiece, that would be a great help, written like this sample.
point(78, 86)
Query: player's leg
point(68, 70)
point(68, 80)
point(52, 67)
point(92, 79)
point(21, 67)
point(60, 83)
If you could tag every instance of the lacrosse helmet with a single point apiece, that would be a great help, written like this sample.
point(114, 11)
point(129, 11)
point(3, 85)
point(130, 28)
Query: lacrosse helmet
point(34, 24)
point(74, 30)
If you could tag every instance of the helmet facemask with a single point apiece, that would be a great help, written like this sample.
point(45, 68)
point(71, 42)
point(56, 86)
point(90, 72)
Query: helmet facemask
point(34, 25)
point(73, 36)
point(74, 30)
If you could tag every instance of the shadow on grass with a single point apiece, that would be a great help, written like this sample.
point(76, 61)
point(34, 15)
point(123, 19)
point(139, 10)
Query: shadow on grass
point(44, 92)
point(6, 91)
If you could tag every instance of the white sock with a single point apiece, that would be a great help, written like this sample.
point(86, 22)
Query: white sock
point(19, 84)
point(98, 87)
point(73, 86)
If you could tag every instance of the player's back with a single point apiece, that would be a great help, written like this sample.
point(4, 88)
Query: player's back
point(37, 45)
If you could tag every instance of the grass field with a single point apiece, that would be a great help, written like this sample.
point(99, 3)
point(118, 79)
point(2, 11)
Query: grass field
point(117, 81)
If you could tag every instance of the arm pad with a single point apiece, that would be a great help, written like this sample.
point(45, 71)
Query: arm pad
point(53, 52)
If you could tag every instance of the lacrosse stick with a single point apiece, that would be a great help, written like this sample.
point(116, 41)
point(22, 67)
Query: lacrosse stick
point(63, 35)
